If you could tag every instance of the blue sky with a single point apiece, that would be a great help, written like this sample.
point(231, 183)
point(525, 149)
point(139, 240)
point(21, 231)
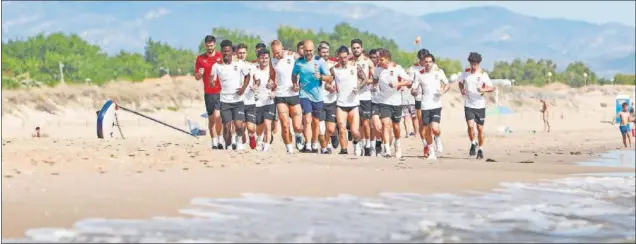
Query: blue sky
point(592, 11)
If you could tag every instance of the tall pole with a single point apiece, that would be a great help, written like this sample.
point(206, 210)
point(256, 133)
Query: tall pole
point(61, 72)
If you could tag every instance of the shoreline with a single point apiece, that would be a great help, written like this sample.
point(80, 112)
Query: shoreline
point(55, 197)
point(71, 175)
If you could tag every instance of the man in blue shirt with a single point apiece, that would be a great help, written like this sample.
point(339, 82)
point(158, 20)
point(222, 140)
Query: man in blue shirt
point(311, 71)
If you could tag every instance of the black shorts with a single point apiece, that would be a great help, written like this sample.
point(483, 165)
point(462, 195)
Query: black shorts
point(431, 115)
point(418, 105)
point(212, 103)
point(290, 101)
point(365, 109)
point(328, 112)
point(476, 114)
point(390, 111)
point(232, 112)
point(250, 113)
point(265, 112)
point(347, 109)
point(375, 109)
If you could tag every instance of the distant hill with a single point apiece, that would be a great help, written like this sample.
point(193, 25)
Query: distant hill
point(496, 32)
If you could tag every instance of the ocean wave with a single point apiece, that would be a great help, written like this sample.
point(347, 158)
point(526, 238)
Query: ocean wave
point(581, 209)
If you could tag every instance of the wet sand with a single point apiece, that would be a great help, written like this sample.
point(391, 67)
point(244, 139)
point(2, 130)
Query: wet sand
point(72, 175)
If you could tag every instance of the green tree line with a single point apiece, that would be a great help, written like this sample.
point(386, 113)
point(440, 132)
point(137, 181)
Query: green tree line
point(36, 60)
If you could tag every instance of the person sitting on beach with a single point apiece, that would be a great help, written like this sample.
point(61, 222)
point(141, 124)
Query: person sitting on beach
point(625, 119)
point(545, 113)
point(36, 133)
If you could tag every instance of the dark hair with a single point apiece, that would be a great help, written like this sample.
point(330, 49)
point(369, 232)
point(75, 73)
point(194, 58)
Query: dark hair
point(373, 51)
point(301, 43)
point(226, 43)
point(342, 49)
point(384, 53)
point(625, 104)
point(323, 45)
point(324, 42)
point(422, 53)
point(241, 46)
point(354, 41)
point(430, 55)
point(233, 48)
point(260, 45)
point(263, 52)
point(209, 38)
point(474, 57)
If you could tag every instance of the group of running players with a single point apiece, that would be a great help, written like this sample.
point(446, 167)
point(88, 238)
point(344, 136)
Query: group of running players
point(355, 96)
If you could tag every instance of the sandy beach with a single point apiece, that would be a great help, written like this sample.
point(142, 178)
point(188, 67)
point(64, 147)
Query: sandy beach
point(71, 175)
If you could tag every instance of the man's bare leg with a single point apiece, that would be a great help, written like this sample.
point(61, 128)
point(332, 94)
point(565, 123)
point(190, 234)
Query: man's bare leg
point(386, 136)
point(297, 123)
point(227, 133)
point(218, 127)
point(481, 138)
point(283, 117)
point(470, 126)
point(366, 136)
point(396, 136)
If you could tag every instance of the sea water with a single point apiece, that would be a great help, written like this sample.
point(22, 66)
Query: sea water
point(583, 208)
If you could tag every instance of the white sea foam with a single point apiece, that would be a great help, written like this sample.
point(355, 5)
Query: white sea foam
point(579, 209)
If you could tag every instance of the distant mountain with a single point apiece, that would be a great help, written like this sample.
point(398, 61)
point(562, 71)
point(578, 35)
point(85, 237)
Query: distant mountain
point(496, 32)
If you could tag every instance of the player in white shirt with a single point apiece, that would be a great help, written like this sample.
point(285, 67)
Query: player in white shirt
point(365, 68)
point(234, 78)
point(391, 79)
point(473, 84)
point(328, 113)
point(418, 93)
point(376, 132)
point(409, 115)
point(263, 77)
point(287, 100)
point(249, 101)
point(432, 83)
point(346, 83)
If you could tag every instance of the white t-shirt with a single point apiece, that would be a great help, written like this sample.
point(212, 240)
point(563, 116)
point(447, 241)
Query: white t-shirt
point(365, 92)
point(472, 82)
point(263, 94)
point(346, 79)
point(376, 95)
point(412, 72)
point(391, 95)
point(430, 83)
point(283, 68)
point(231, 77)
point(329, 97)
point(249, 94)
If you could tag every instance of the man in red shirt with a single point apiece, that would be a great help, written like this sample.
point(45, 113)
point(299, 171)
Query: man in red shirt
point(212, 97)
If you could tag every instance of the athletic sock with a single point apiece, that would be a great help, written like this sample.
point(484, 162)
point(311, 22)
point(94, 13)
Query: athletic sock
point(289, 147)
point(315, 146)
point(308, 146)
point(215, 141)
point(372, 144)
point(424, 142)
